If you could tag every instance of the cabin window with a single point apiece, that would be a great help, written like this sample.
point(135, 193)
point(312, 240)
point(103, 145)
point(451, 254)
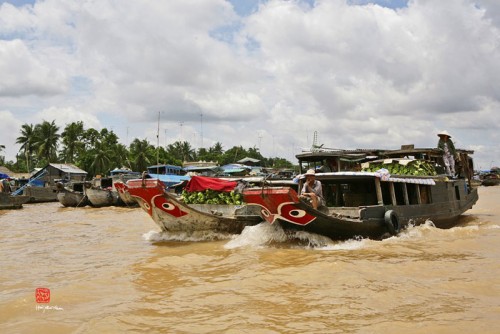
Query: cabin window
point(78, 187)
point(354, 194)
point(399, 191)
point(425, 194)
point(331, 194)
point(457, 193)
point(386, 192)
point(106, 183)
point(413, 193)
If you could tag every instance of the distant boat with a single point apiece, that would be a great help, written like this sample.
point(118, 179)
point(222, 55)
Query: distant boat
point(170, 175)
point(72, 194)
point(8, 201)
point(102, 191)
point(491, 179)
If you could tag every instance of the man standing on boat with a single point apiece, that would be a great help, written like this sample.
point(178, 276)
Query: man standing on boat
point(448, 148)
point(312, 189)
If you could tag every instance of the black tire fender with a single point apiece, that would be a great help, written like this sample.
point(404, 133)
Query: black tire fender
point(392, 222)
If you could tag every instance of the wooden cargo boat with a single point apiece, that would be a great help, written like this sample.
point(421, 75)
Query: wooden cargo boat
point(102, 190)
point(490, 179)
point(172, 213)
point(9, 201)
point(371, 204)
point(72, 194)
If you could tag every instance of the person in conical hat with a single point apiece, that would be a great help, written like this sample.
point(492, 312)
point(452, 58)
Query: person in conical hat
point(445, 144)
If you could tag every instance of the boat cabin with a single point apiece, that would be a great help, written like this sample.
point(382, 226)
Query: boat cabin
point(166, 170)
point(353, 189)
point(333, 160)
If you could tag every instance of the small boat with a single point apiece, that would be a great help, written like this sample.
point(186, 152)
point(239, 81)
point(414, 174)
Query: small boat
point(372, 204)
point(170, 175)
point(9, 201)
point(102, 191)
point(170, 212)
point(490, 179)
point(72, 194)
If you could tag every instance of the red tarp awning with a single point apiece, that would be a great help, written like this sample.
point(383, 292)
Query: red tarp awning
point(202, 183)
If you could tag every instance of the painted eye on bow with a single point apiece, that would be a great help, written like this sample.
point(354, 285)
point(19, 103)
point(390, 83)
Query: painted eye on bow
point(265, 212)
point(291, 213)
point(297, 213)
point(161, 203)
point(168, 206)
point(267, 215)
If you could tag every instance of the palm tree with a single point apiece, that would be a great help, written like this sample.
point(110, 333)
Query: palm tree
point(216, 149)
point(27, 140)
point(187, 151)
point(47, 138)
point(72, 141)
point(101, 163)
point(139, 150)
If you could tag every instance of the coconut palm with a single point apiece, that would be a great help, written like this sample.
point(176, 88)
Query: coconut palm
point(101, 163)
point(47, 139)
point(139, 153)
point(27, 140)
point(72, 141)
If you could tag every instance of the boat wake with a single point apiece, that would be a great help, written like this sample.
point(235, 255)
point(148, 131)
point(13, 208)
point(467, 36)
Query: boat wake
point(267, 235)
point(428, 229)
point(196, 236)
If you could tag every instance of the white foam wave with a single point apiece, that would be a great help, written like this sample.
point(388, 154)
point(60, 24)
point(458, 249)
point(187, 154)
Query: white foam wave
point(351, 244)
point(265, 234)
point(258, 235)
point(196, 236)
point(492, 227)
point(414, 232)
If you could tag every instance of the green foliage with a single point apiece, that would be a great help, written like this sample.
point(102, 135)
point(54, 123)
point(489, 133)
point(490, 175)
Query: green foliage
point(98, 152)
point(415, 168)
point(210, 196)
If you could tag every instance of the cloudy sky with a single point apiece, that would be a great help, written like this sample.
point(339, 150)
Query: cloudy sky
point(267, 74)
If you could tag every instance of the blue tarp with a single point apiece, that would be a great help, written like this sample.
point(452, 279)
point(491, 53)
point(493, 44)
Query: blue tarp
point(3, 176)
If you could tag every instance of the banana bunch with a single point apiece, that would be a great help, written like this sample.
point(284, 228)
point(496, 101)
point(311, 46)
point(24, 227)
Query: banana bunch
point(212, 197)
point(414, 167)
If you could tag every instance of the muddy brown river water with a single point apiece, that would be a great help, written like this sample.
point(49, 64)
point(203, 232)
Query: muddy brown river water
point(109, 270)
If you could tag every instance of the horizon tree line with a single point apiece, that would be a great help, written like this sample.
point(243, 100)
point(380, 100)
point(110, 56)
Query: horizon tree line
point(99, 152)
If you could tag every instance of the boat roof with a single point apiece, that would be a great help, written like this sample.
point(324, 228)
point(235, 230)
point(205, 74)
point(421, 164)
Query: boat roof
point(201, 168)
point(359, 154)
point(347, 154)
point(164, 165)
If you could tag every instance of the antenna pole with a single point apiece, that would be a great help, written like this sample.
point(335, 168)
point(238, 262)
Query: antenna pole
point(158, 145)
point(201, 132)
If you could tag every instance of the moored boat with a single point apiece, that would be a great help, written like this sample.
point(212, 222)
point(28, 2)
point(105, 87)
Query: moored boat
point(72, 194)
point(102, 191)
point(372, 204)
point(490, 179)
point(9, 201)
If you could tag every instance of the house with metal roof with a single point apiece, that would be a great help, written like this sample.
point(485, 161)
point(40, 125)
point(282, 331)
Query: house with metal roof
point(54, 172)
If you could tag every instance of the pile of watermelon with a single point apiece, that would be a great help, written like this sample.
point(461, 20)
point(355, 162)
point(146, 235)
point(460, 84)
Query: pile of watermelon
point(413, 167)
point(210, 196)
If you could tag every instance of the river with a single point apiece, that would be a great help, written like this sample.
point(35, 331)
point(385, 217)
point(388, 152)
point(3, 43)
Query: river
point(109, 270)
